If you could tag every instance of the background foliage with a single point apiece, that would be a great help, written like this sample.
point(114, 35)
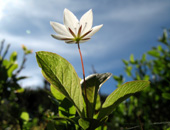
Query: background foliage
point(149, 109)
point(28, 109)
point(19, 108)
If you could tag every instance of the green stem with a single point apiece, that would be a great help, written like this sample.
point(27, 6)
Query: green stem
point(83, 78)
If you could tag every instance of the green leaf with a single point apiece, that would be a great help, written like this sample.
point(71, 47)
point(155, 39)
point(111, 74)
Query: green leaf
point(54, 100)
point(91, 124)
point(24, 116)
point(83, 123)
point(13, 57)
point(20, 90)
point(166, 96)
point(93, 84)
point(6, 63)
point(128, 70)
point(154, 53)
point(138, 76)
point(11, 69)
point(66, 109)
point(143, 58)
point(57, 94)
point(61, 75)
point(98, 103)
point(10, 66)
point(125, 62)
point(159, 47)
point(119, 79)
point(132, 60)
point(26, 51)
point(146, 77)
point(104, 127)
point(164, 37)
point(120, 94)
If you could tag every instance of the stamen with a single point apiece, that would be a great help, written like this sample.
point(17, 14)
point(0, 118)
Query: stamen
point(69, 41)
point(72, 33)
point(86, 39)
point(79, 32)
point(86, 34)
point(66, 39)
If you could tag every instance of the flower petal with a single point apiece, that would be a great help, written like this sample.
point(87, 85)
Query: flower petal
point(86, 21)
point(94, 30)
point(70, 20)
point(61, 37)
point(59, 28)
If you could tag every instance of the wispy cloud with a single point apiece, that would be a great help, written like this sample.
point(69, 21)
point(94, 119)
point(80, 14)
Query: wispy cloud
point(127, 25)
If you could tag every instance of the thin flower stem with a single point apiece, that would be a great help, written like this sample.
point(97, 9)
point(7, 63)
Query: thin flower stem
point(83, 78)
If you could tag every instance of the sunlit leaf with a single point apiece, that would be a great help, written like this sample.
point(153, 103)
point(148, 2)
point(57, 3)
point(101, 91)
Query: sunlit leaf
point(6, 63)
point(120, 94)
point(57, 94)
point(24, 116)
point(98, 103)
point(154, 53)
point(11, 69)
point(159, 47)
point(61, 75)
point(84, 124)
point(13, 57)
point(146, 77)
point(21, 90)
point(91, 124)
point(132, 60)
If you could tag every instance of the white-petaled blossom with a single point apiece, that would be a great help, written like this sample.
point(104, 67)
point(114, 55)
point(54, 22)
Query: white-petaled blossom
point(73, 30)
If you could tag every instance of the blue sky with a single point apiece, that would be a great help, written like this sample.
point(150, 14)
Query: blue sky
point(130, 27)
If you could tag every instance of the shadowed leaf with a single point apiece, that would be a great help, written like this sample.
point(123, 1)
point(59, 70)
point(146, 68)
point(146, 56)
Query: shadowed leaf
point(93, 84)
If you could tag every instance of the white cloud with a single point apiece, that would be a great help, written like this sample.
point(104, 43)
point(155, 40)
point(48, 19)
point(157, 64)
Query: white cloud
point(126, 24)
point(41, 44)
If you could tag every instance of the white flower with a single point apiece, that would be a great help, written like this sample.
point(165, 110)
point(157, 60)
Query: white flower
point(73, 30)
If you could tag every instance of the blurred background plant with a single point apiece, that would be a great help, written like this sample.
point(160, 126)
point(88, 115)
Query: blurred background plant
point(19, 108)
point(148, 110)
point(23, 108)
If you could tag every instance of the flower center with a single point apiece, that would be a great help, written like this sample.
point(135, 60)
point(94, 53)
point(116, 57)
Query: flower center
point(77, 39)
